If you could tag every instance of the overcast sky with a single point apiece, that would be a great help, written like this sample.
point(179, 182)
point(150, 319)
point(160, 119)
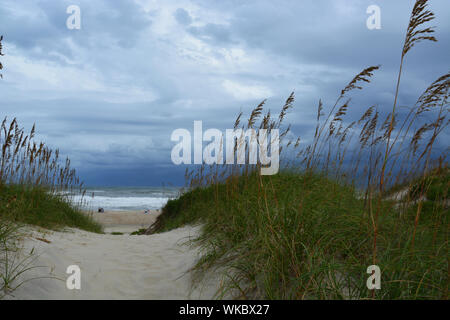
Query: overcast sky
point(110, 94)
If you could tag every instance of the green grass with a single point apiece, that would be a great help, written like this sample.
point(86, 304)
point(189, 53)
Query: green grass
point(306, 236)
point(36, 206)
point(434, 185)
point(139, 232)
point(303, 236)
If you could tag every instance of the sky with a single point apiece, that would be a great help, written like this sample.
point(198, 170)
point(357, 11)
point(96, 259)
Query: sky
point(110, 94)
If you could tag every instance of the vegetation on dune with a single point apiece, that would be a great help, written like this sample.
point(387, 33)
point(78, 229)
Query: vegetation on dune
point(139, 232)
point(433, 186)
point(34, 186)
point(37, 206)
point(300, 236)
point(366, 192)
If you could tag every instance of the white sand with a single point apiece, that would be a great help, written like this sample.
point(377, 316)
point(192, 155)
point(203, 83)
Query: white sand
point(112, 266)
point(138, 219)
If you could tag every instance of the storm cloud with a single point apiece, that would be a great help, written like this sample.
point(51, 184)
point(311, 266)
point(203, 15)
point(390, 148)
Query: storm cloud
point(110, 94)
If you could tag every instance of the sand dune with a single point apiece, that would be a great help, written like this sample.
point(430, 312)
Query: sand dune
point(112, 266)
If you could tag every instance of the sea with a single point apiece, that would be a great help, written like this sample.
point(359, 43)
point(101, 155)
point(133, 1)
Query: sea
point(125, 198)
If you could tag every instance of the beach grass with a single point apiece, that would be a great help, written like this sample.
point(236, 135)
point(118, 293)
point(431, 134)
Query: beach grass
point(35, 185)
point(37, 206)
point(357, 193)
point(139, 232)
point(304, 236)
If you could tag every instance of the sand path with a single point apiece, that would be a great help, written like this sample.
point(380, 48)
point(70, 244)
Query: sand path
point(112, 266)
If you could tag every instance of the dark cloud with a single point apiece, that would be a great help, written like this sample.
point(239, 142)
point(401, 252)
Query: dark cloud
point(183, 17)
point(33, 25)
point(109, 95)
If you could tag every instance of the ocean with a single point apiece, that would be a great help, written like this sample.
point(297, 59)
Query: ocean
point(125, 198)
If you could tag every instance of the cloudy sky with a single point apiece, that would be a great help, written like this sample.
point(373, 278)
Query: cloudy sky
point(110, 94)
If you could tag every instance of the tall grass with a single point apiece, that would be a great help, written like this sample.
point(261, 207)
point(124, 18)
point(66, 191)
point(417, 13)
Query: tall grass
point(362, 192)
point(35, 187)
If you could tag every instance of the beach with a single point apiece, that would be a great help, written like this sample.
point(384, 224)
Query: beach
point(112, 266)
point(125, 221)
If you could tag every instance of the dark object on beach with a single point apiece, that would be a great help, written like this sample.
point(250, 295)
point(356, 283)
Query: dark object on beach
point(43, 240)
point(101, 210)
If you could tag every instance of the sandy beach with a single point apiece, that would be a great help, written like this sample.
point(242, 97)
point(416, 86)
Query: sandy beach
point(112, 266)
point(125, 221)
